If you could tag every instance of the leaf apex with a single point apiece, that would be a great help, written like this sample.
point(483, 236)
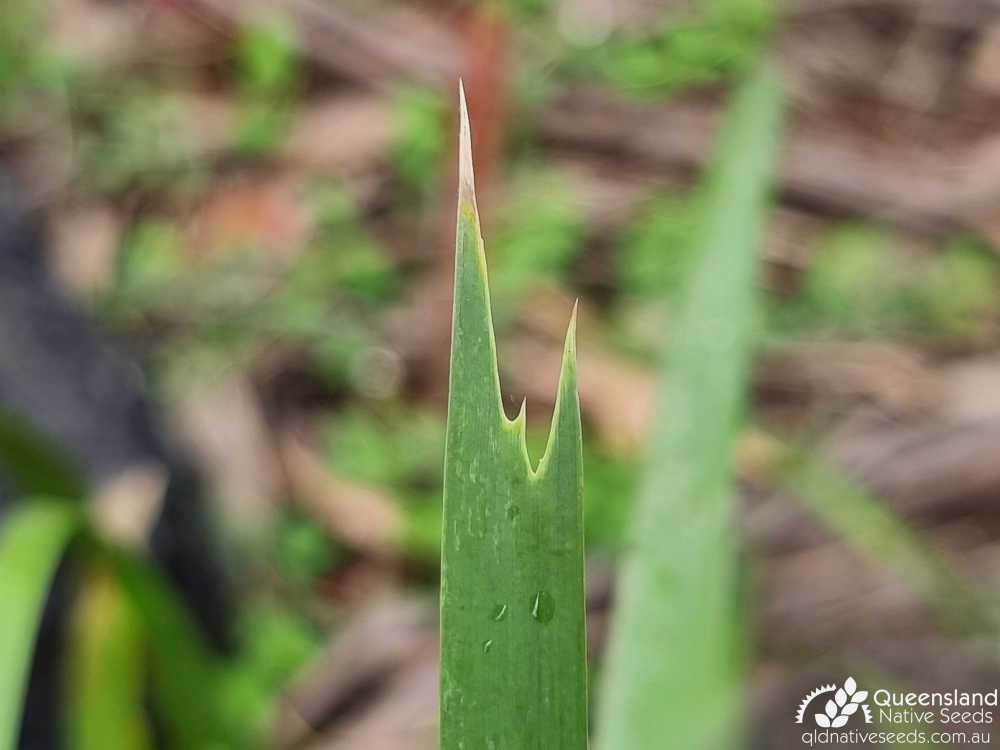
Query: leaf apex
point(466, 175)
point(569, 351)
point(571, 329)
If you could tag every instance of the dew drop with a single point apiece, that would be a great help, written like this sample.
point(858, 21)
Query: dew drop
point(487, 645)
point(499, 612)
point(513, 511)
point(543, 606)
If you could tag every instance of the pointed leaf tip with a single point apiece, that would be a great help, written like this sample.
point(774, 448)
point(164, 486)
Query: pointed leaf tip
point(569, 350)
point(466, 176)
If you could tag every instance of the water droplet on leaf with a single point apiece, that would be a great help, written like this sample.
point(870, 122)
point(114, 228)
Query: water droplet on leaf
point(499, 612)
point(543, 606)
point(487, 645)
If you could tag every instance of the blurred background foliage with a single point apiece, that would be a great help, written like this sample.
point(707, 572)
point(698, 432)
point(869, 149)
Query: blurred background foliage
point(256, 206)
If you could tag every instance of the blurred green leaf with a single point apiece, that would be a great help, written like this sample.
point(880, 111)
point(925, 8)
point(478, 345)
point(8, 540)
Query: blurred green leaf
point(609, 500)
point(858, 517)
point(150, 260)
point(861, 281)
point(960, 289)
point(30, 72)
point(658, 247)
point(418, 148)
point(303, 548)
point(33, 464)
point(268, 71)
point(107, 686)
point(529, 10)
point(847, 282)
point(721, 39)
point(539, 234)
point(33, 537)
point(672, 673)
point(187, 677)
point(267, 57)
point(275, 643)
point(142, 146)
point(398, 447)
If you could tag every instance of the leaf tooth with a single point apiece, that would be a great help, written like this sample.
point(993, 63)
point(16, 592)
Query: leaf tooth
point(567, 372)
point(566, 415)
point(520, 424)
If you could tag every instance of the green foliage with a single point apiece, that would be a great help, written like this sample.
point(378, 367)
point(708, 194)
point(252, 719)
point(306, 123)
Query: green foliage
point(236, 304)
point(267, 58)
point(33, 539)
point(419, 145)
point(139, 147)
point(847, 282)
point(150, 260)
point(513, 661)
point(20, 24)
point(187, 678)
point(861, 283)
point(529, 10)
point(657, 251)
point(107, 685)
point(400, 450)
point(539, 234)
point(135, 651)
point(303, 549)
point(346, 256)
point(32, 465)
point(858, 517)
point(672, 672)
point(721, 41)
point(960, 288)
point(609, 501)
point(275, 643)
point(268, 71)
point(395, 447)
point(28, 73)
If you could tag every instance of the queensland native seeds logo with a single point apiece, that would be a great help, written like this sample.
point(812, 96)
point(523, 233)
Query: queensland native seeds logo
point(831, 707)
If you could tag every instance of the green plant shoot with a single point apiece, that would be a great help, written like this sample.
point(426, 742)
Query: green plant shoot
point(673, 671)
point(513, 657)
point(33, 539)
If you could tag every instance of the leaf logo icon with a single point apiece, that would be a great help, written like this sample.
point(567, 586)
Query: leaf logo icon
point(841, 704)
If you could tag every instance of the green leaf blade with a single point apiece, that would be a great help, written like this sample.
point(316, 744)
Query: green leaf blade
point(186, 676)
point(107, 685)
point(32, 542)
point(673, 664)
point(513, 659)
